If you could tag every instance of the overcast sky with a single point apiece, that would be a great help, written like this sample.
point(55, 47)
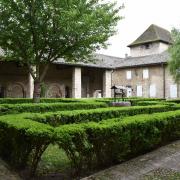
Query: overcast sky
point(139, 15)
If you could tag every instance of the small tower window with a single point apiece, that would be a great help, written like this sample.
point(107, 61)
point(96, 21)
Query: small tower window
point(147, 46)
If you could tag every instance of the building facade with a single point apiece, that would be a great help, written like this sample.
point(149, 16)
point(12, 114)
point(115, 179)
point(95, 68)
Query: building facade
point(145, 73)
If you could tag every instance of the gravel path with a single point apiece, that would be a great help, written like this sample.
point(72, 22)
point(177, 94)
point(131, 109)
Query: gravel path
point(161, 164)
point(6, 173)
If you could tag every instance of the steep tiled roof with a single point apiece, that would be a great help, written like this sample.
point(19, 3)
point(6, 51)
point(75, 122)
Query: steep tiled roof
point(110, 62)
point(153, 34)
point(144, 60)
point(100, 61)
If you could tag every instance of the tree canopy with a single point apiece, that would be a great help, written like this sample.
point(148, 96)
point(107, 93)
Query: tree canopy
point(34, 32)
point(174, 50)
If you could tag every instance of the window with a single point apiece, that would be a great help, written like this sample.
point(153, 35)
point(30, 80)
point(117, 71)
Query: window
point(147, 46)
point(145, 73)
point(129, 92)
point(128, 75)
point(152, 90)
point(139, 91)
point(173, 91)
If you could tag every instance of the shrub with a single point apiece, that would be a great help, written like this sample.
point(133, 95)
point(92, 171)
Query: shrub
point(43, 100)
point(46, 107)
point(174, 101)
point(70, 100)
point(96, 145)
point(148, 103)
point(78, 116)
point(22, 140)
point(88, 145)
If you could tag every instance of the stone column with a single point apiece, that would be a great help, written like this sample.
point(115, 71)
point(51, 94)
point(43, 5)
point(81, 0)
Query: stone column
point(30, 86)
point(107, 83)
point(76, 82)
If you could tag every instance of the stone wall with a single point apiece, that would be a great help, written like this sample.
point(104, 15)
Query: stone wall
point(169, 81)
point(155, 78)
point(142, 50)
point(157, 75)
point(57, 80)
point(13, 80)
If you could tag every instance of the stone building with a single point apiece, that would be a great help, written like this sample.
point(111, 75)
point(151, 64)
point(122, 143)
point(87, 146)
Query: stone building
point(144, 72)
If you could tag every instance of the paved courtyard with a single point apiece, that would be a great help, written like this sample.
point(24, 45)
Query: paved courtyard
point(161, 164)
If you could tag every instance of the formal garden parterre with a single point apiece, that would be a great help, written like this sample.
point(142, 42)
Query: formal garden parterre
point(74, 136)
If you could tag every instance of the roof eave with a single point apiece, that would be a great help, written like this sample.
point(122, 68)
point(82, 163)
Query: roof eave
point(141, 65)
point(145, 42)
point(84, 65)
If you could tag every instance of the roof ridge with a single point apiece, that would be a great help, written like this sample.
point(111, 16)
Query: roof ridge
point(160, 27)
point(151, 34)
point(154, 27)
point(156, 30)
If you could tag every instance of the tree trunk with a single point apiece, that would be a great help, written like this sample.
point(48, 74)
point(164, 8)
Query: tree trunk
point(37, 91)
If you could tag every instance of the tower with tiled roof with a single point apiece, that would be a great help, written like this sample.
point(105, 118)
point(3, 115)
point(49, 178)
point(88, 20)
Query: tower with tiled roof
point(154, 40)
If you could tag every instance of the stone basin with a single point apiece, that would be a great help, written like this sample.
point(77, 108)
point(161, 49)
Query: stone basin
point(120, 104)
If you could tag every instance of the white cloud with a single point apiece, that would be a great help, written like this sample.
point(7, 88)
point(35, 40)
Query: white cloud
point(139, 15)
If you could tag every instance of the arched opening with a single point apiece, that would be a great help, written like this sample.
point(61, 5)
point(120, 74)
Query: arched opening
point(67, 92)
point(17, 91)
point(54, 91)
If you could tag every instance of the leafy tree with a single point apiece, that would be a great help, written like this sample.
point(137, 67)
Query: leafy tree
point(174, 63)
point(37, 32)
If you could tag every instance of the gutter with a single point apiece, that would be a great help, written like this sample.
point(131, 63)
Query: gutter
point(140, 65)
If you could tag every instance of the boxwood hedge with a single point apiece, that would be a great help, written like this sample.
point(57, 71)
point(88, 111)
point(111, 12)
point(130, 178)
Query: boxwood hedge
point(22, 141)
point(43, 100)
point(88, 145)
point(70, 100)
point(97, 145)
point(148, 103)
point(46, 107)
point(78, 116)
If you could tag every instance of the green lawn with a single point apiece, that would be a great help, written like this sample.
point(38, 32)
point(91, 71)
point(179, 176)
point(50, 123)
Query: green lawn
point(53, 160)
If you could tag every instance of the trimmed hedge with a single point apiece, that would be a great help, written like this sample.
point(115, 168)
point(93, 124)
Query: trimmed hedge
point(134, 101)
point(148, 103)
point(47, 107)
point(70, 100)
point(43, 100)
point(22, 141)
point(88, 145)
point(174, 101)
point(97, 145)
point(78, 116)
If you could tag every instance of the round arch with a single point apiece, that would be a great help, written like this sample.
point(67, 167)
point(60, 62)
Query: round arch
point(54, 91)
point(16, 90)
